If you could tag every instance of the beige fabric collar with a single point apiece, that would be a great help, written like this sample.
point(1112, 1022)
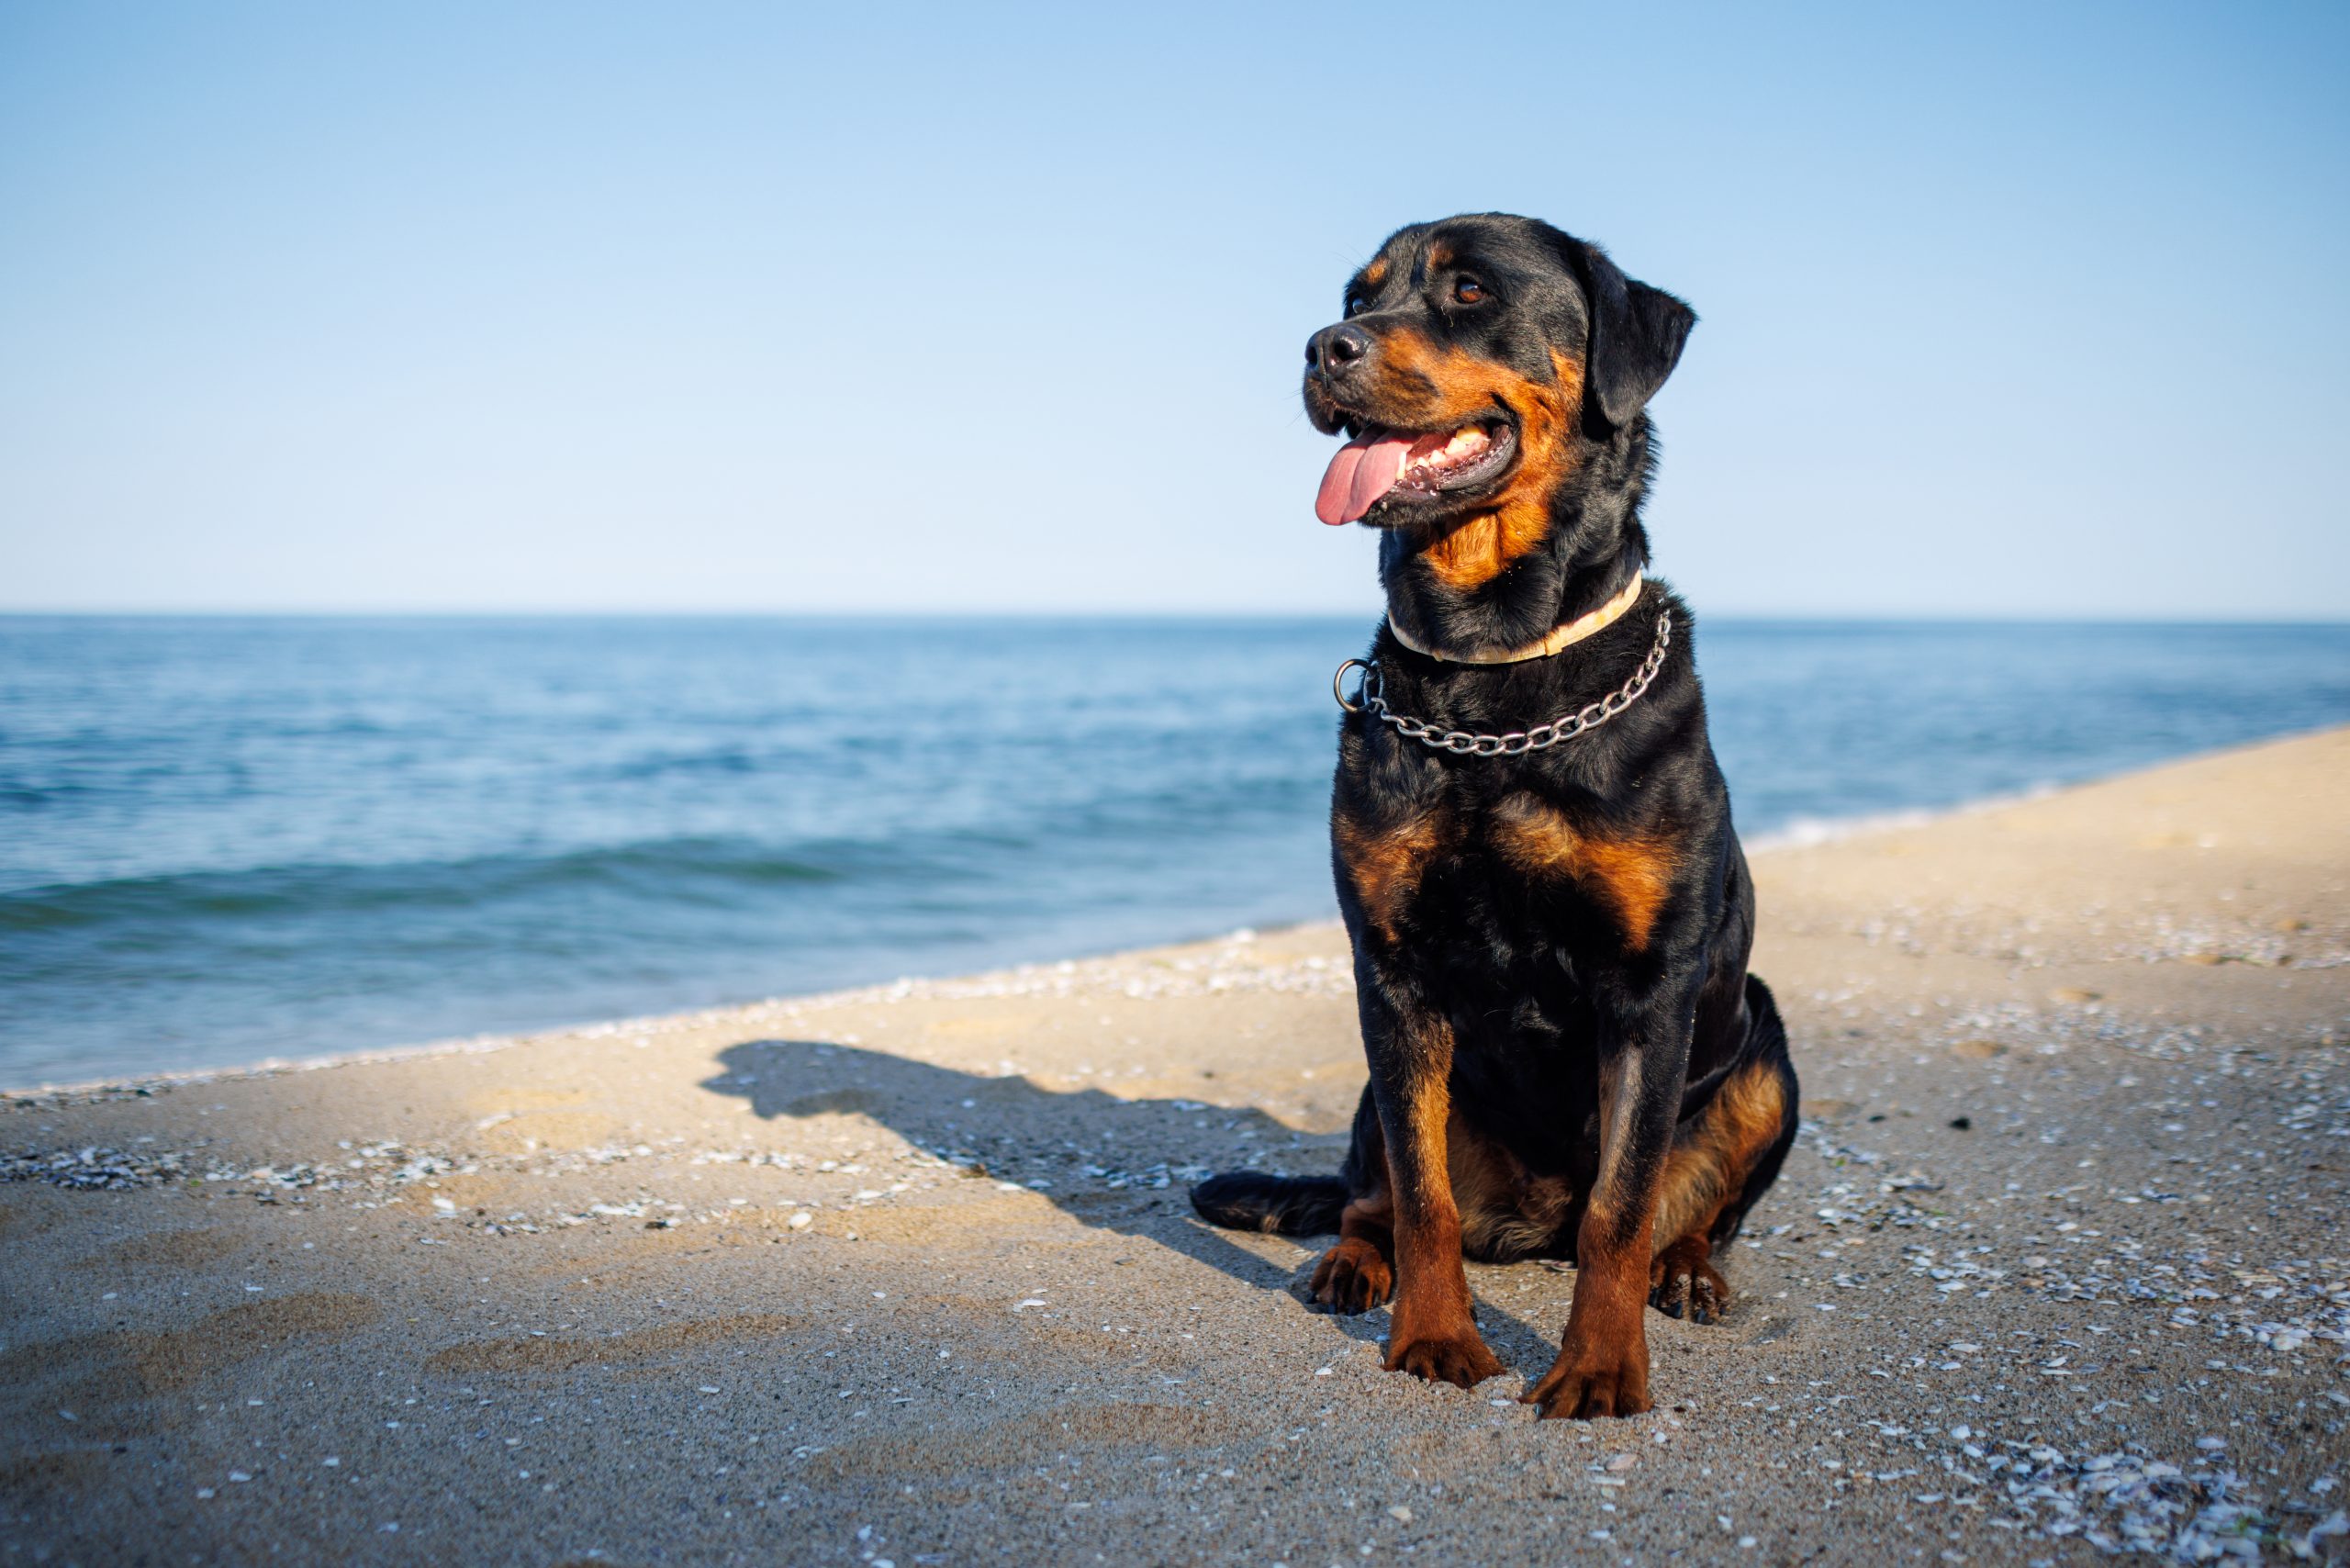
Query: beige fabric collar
point(1575, 630)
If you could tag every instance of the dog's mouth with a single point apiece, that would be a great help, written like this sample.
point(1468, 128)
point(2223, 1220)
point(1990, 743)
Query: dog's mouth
point(1383, 467)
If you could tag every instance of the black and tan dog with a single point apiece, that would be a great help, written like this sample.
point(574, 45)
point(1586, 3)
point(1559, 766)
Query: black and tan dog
point(1549, 910)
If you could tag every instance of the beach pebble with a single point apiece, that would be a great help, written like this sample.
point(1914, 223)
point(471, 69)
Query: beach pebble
point(1400, 1514)
point(801, 1220)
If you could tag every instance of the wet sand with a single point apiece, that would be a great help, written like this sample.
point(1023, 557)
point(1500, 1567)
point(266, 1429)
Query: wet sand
point(906, 1275)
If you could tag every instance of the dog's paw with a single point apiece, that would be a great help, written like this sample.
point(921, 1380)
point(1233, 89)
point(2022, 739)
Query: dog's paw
point(1460, 1359)
point(1683, 1280)
point(1353, 1277)
point(1589, 1381)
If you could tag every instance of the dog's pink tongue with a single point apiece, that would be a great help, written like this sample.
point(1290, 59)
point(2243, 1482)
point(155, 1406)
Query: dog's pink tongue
point(1362, 471)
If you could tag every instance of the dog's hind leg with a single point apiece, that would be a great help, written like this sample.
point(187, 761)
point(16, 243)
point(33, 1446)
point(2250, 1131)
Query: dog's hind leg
point(1721, 1162)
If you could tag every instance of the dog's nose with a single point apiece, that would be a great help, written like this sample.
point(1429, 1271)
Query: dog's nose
point(1334, 350)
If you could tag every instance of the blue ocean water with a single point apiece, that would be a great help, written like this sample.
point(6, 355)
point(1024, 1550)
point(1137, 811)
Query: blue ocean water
point(225, 839)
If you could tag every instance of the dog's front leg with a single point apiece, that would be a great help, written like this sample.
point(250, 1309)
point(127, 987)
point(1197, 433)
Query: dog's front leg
point(1433, 1334)
point(1603, 1365)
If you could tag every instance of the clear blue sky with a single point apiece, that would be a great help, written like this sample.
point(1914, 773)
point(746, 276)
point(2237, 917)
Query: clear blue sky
point(2005, 309)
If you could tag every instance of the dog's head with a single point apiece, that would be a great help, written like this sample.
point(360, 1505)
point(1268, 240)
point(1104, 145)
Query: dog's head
point(1477, 360)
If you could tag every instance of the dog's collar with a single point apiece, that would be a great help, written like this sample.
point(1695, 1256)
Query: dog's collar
point(1372, 699)
point(1573, 632)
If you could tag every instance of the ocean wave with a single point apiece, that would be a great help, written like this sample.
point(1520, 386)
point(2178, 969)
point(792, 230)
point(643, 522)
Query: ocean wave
point(34, 797)
point(326, 887)
point(1804, 832)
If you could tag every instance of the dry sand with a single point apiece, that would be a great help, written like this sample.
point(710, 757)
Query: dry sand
point(907, 1275)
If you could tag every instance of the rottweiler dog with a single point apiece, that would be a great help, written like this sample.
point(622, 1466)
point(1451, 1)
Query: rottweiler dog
point(1549, 910)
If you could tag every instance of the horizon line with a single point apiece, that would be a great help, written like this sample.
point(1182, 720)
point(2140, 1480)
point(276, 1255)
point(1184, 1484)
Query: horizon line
point(1817, 617)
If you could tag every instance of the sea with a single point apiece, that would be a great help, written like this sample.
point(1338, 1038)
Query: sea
point(224, 840)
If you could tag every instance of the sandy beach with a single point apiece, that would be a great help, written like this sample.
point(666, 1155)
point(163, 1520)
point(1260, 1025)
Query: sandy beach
point(907, 1275)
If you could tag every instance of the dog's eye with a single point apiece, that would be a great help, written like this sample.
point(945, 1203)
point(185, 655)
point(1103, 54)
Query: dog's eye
point(1468, 291)
point(1357, 304)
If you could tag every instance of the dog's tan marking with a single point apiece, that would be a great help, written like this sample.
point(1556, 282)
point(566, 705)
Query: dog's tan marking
point(1384, 865)
point(1432, 387)
point(1711, 1160)
point(1507, 1211)
point(1635, 875)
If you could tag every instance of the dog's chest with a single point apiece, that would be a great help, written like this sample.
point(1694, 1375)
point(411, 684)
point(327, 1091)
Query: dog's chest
point(1458, 860)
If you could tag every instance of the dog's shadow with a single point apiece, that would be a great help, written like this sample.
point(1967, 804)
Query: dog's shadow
point(1100, 1158)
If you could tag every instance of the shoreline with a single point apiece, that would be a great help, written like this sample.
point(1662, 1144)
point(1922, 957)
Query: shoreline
point(907, 1270)
point(1803, 834)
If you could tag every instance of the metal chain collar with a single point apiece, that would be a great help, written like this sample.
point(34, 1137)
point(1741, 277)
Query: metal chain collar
point(1516, 742)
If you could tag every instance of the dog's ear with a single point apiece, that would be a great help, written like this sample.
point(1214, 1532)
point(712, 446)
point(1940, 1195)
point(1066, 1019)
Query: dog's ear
point(1636, 335)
